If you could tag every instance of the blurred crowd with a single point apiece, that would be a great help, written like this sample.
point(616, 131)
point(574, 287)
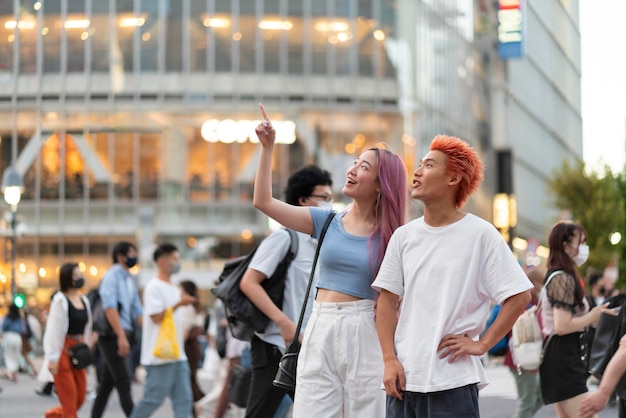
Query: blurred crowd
point(209, 347)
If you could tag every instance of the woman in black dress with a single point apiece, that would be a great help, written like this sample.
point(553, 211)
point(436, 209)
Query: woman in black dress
point(565, 316)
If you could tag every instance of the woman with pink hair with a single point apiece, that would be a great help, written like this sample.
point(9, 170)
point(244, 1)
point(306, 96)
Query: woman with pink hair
point(340, 367)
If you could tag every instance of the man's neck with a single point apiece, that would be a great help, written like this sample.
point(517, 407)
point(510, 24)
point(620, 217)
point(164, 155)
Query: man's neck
point(123, 266)
point(161, 275)
point(441, 215)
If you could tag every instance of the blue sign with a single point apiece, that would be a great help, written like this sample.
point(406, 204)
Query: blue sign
point(510, 29)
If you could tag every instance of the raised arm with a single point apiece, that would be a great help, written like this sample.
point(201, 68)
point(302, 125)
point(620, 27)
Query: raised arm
point(293, 217)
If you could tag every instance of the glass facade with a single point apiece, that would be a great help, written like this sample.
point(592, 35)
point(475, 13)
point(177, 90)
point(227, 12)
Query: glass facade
point(274, 36)
point(133, 119)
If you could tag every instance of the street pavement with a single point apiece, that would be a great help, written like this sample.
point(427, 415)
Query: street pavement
point(19, 400)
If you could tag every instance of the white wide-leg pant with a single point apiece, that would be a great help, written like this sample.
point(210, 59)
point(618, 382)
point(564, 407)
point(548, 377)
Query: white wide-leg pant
point(340, 367)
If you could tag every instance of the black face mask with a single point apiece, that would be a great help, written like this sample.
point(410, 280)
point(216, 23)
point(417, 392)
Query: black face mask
point(131, 261)
point(78, 283)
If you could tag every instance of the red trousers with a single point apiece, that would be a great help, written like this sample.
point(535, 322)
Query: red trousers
point(70, 385)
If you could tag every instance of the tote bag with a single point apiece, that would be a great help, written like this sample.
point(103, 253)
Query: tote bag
point(166, 346)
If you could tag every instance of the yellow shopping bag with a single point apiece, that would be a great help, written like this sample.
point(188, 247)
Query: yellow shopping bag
point(167, 341)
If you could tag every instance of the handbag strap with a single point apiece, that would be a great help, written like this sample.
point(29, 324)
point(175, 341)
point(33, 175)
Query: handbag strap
point(540, 307)
point(311, 275)
point(545, 289)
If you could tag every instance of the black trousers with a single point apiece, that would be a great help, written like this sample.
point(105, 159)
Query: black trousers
point(115, 375)
point(264, 398)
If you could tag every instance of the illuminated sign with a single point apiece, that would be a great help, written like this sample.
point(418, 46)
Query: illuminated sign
point(510, 29)
point(230, 131)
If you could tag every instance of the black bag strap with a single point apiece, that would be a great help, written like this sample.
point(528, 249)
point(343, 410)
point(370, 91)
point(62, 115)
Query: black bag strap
point(311, 275)
point(545, 289)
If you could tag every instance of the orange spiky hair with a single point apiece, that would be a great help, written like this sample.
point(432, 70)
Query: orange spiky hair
point(462, 160)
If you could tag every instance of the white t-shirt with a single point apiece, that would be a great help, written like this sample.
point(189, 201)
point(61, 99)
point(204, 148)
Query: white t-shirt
point(446, 277)
point(157, 296)
point(189, 318)
point(269, 254)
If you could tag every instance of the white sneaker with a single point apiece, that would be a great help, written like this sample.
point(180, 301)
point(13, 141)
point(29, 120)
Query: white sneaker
point(91, 396)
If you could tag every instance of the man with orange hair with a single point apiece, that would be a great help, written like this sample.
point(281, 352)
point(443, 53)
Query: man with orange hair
point(444, 268)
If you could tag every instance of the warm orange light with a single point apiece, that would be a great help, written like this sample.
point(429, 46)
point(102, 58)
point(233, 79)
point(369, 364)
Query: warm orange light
point(22, 24)
point(331, 26)
point(216, 22)
point(129, 22)
point(76, 24)
point(275, 25)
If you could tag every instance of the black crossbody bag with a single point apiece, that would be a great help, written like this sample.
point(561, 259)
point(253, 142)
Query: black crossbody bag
point(80, 353)
point(286, 375)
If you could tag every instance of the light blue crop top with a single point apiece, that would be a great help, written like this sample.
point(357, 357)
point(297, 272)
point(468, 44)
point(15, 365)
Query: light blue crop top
point(343, 261)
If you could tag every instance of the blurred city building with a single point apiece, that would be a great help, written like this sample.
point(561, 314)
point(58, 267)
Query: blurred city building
point(133, 119)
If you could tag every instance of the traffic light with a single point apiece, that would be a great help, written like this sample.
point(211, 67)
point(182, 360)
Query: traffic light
point(19, 300)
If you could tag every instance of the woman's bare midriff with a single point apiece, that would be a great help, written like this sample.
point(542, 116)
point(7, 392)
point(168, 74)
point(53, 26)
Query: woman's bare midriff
point(325, 295)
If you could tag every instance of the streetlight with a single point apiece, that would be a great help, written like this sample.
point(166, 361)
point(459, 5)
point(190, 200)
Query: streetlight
point(12, 188)
point(505, 215)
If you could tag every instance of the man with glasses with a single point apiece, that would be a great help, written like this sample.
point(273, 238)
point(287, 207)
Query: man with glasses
point(309, 186)
point(323, 200)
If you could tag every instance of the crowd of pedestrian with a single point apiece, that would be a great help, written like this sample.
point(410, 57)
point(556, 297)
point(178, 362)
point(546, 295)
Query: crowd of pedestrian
point(72, 320)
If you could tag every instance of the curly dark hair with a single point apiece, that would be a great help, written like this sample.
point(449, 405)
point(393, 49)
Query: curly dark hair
point(302, 182)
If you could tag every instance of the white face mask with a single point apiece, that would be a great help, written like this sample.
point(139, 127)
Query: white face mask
point(583, 254)
point(324, 205)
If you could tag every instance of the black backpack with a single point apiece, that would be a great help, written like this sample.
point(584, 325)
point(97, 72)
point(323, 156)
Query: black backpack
point(244, 318)
point(100, 323)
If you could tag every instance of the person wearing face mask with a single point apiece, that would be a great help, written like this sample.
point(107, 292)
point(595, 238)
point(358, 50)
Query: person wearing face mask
point(120, 301)
point(308, 186)
point(598, 289)
point(164, 376)
point(69, 322)
point(565, 317)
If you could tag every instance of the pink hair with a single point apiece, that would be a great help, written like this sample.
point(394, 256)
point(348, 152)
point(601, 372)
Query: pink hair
point(391, 209)
point(463, 161)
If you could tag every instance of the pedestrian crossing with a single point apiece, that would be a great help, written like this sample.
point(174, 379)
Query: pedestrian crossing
point(501, 383)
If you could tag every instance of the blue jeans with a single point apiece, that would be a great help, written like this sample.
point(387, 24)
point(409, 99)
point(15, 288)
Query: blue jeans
point(170, 379)
point(458, 403)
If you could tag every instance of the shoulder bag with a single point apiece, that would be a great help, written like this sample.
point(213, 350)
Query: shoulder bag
point(286, 375)
point(80, 353)
point(606, 337)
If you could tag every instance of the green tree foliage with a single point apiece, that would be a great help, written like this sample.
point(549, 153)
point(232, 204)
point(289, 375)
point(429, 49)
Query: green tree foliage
point(621, 184)
point(597, 202)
